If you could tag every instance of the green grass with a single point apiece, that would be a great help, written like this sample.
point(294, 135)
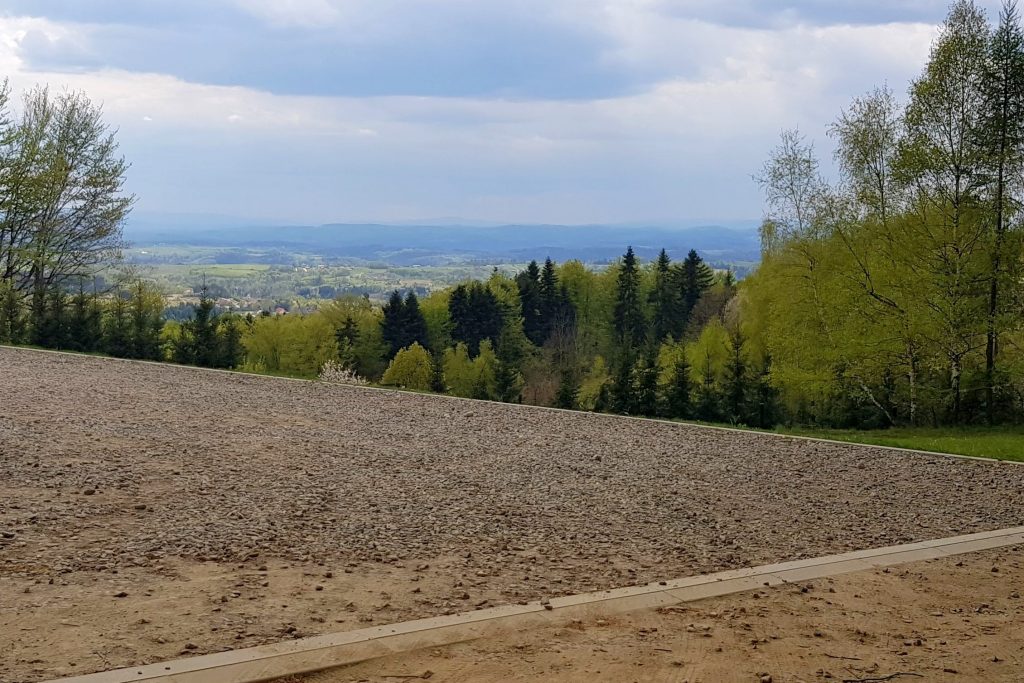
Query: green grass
point(1003, 443)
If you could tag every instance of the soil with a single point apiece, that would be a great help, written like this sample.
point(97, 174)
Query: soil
point(149, 510)
point(954, 620)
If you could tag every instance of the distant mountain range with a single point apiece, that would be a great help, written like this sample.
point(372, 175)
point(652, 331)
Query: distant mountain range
point(455, 241)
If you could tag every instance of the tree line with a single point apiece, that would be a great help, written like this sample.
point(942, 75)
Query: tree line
point(894, 295)
point(891, 295)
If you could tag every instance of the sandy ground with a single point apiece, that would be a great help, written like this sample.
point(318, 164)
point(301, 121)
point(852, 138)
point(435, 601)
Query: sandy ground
point(954, 619)
point(149, 511)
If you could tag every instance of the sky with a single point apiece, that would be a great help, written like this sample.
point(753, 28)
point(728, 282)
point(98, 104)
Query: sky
point(537, 111)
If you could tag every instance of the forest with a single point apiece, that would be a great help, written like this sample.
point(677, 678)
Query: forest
point(890, 295)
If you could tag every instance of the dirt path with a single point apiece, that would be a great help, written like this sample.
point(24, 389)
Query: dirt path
point(232, 510)
point(953, 620)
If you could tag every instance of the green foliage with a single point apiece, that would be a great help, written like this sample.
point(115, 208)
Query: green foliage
point(409, 369)
point(290, 344)
point(146, 321)
point(593, 385)
point(475, 377)
point(359, 335)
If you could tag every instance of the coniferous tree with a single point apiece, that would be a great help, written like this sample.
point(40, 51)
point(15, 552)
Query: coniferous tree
point(392, 324)
point(622, 388)
point(528, 283)
point(568, 391)
point(550, 299)
point(476, 316)
point(414, 325)
point(347, 336)
point(708, 406)
point(695, 278)
point(147, 321)
point(199, 342)
point(678, 400)
point(736, 381)
point(645, 401)
point(229, 331)
point(203, 329)
point(664, 299)
point(50, 321)
point(508, 385)
point(85, 320)
point(766, 410)
point(437, 383)
point(628, 321)
point(117, 333)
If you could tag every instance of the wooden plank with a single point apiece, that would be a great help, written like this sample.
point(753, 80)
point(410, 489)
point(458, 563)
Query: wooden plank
point(267, 662)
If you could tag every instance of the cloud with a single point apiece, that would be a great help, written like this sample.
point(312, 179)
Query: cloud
point(568, 110)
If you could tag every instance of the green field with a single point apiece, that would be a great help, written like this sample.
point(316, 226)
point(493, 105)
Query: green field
point(1004, 443)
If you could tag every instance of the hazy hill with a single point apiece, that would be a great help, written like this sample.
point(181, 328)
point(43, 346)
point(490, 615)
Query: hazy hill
point(452, 243)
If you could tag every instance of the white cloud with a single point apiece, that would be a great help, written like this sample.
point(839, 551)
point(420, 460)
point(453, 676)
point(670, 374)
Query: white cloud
point(708, 104)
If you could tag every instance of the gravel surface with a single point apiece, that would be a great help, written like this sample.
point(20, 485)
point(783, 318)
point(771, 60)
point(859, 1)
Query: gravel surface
point(108, 465)
point(231, 464)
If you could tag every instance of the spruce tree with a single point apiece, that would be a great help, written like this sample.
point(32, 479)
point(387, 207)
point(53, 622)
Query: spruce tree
point(117, 327)
point(476, 316)
point(85, 320)
point(568, 391)
point(664, 300)
point(695, 278)
point(50, 320)
point(621, 391)
point(203, 329)
point(347, 335)
point(414, 325)
point(645, 401)
point(766, 411)
point(628, 321)
point(507, 380)
point(708, 406)
point(437, 383)
point(678, 399)
point(392, 324)
point(229, 332)
point(147, 321)
point(528, 283)
point(736, 381)
point(550, 301)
